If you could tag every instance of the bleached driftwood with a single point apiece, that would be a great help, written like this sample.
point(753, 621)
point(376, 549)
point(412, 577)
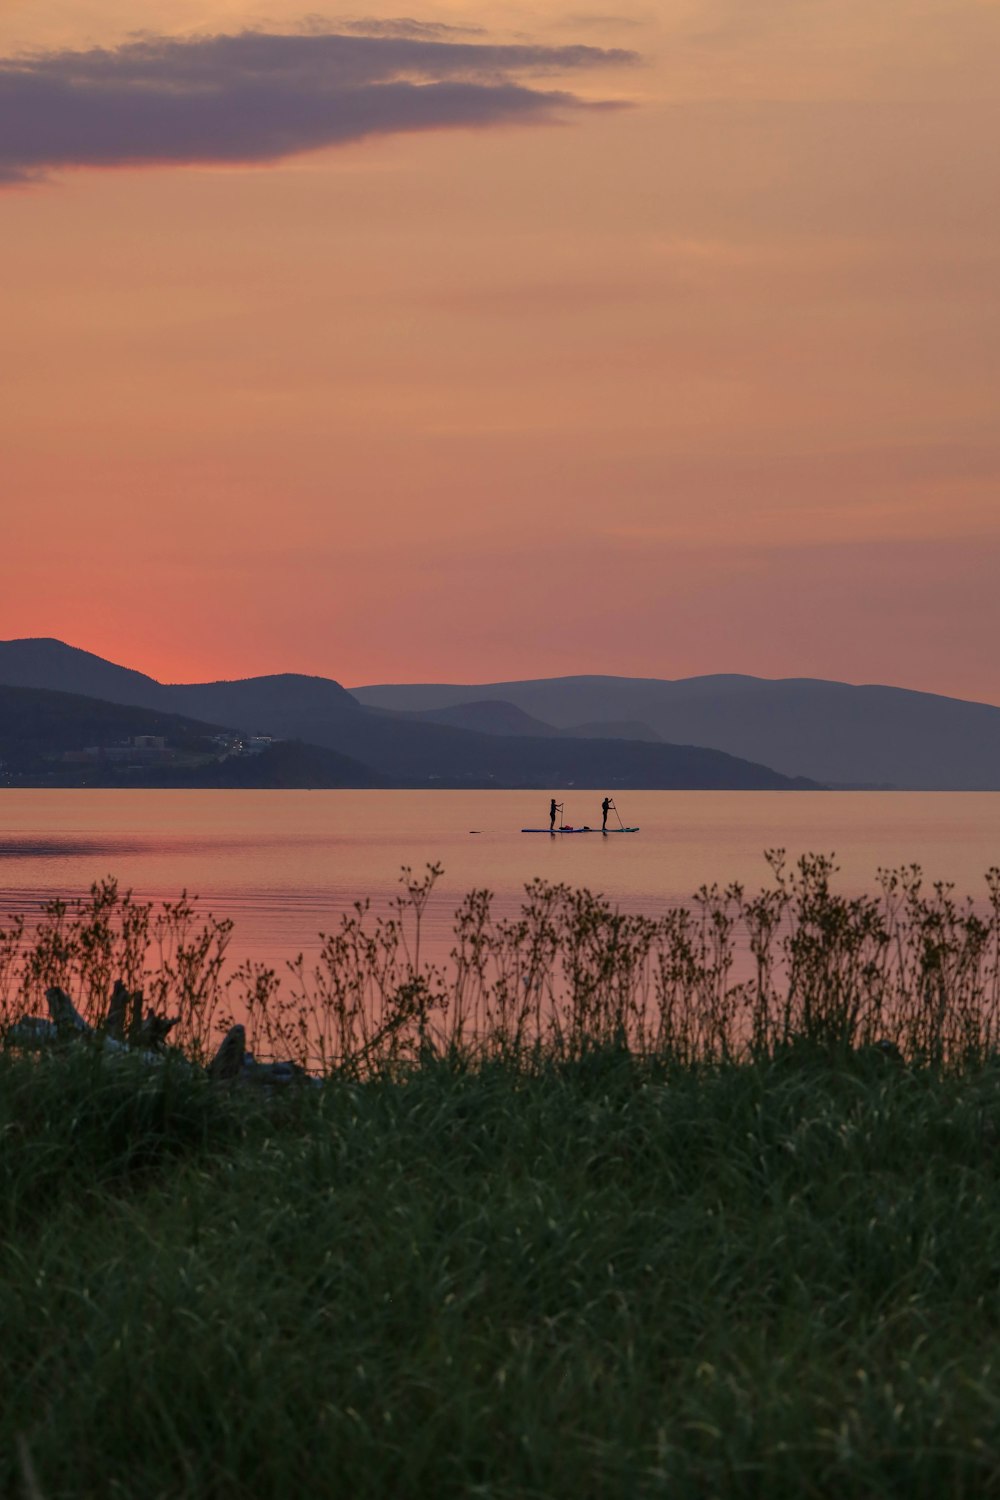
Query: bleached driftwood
point(127, 1022)
point(227, 1064)
point(33, 1031)
point(234, 1064)
point(66, 1019)
point(64, 1013)
point(119, 1009)
point(126, 1032)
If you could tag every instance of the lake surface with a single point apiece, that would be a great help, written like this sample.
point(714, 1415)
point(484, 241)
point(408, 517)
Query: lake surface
point(286, 865)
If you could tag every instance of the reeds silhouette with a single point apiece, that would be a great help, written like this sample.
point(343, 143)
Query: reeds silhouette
point(909, 968)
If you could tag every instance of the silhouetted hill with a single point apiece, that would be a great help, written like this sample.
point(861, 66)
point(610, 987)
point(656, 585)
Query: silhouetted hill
point(285, 765)
point(421, 752)
point(837, 732)
point(245, 704)
point(34, 723)
point(488, 717)
point(50, 664)
point(405, 749)
point(64, 739)
point(272, 705)
point(493, 716)
point(621, 729)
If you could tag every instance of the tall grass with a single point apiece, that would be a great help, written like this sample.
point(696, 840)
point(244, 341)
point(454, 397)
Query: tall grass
point(733, 975)
point(604, 1277)
point(730, 977)
point(605, 1205)
point(172, 954)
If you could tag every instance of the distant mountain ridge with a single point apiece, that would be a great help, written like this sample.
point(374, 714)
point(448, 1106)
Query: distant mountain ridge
point(395, 748)
point(839, 733)
point(43, 732)
point(36, 722)
point(46, 663)
point(536, 731)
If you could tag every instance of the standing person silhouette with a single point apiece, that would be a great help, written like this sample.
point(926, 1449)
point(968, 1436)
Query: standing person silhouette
point(606, 805)
point(554, 807)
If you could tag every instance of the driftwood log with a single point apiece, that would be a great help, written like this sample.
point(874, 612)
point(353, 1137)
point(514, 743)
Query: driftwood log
point(68, 1022)
point(227, 1064)
point(234, 1064)
point(127, 1022)
point(126, 1031)
point(119, 1010)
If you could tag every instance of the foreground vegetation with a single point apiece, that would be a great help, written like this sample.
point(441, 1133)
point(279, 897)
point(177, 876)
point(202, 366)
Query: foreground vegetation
point(558, 1250)
point(605, 1278)
point(733, 977)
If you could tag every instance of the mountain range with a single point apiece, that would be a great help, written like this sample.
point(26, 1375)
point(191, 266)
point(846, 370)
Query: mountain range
point(717, 731)
point(836, 732)
point(51, 738)
point(491, 745)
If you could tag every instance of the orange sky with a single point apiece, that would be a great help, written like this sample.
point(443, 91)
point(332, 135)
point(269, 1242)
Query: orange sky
point(707, 383)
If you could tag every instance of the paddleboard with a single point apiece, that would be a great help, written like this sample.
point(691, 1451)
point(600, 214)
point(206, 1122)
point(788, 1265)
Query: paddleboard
point(579, 830)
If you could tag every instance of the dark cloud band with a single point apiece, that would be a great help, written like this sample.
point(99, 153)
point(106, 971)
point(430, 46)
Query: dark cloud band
point(258, 96)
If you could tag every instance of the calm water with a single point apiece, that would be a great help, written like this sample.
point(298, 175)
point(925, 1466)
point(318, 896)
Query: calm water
point(285, 865)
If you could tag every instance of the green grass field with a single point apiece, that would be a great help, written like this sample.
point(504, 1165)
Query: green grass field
point(601, 1209)
point(602, 1277)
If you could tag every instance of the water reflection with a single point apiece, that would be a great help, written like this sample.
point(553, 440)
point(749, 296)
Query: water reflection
point(284, 866)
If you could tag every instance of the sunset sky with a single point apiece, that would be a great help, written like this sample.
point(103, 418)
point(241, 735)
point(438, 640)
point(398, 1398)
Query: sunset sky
point(505, 341)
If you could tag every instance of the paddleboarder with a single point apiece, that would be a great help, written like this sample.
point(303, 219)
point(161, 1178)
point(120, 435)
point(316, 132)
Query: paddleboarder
point(606, 807)
point(554, 807)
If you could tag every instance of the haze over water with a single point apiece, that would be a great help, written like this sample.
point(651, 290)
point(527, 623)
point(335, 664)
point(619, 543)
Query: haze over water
point(286, 865)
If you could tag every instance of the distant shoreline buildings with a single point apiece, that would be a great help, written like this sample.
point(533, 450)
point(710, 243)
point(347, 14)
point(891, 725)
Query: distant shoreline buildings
point(153, 749)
